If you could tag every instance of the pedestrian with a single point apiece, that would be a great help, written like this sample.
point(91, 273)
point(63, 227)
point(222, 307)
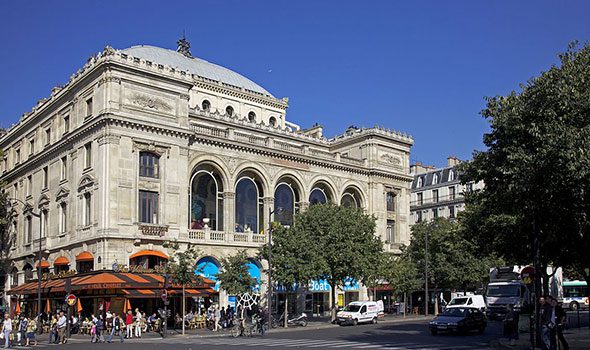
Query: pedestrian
point(100, 330)
point(31, 329)
point(22, 329)
point(129, 324)
point(117, 323)
point(511, 325)
point(545, 314)
point(137, 323)
point(62, 323)
point(561, 322)
point(93, 332)
point(6, 330)
point(223, 316)
point(53, 330)
point(216, 318)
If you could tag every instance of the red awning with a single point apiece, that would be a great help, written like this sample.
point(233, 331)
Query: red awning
point(44, 264)
point(85, 256)
point(62, 260)
point(149, 253)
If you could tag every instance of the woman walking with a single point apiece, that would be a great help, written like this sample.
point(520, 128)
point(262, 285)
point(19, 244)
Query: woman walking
point(6, 330)
point(31, 329)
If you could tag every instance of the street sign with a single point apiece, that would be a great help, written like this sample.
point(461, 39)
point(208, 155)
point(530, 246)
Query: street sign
point(164, 295)
point(527, 275)
point(71, 299)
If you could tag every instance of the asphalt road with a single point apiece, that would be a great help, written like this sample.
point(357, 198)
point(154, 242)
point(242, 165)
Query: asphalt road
point(386, 335)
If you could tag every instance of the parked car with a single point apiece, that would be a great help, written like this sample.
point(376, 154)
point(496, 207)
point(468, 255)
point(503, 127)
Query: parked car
point(359, 312)
point(460, 320)
point(473, 300)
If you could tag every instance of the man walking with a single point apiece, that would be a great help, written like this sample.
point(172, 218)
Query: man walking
point(138, 318)
point(61, 327)
point(545, 314)
point(129, 324)
point(561, 321)
point(116, 328)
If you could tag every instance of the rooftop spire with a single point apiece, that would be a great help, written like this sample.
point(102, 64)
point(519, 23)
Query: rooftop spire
point(184, 47)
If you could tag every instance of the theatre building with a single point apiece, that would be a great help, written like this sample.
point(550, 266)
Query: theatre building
point(146, 145)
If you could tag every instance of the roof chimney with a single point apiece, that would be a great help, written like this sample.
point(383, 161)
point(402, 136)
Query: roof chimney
point(418, 168)
point(453, 161)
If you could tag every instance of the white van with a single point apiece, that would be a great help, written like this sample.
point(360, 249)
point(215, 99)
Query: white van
point(359, 312)
point(473, 300)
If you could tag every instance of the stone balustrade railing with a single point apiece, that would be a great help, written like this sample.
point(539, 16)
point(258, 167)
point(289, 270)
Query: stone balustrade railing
point(226, 238)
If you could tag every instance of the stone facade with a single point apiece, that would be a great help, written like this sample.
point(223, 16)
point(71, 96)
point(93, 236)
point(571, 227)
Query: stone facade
point(77, 157)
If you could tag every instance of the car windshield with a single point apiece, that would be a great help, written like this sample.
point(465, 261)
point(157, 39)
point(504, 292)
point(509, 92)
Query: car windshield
point(503, 291)
point(455, 312)
point(352, 308)
point(458, 301)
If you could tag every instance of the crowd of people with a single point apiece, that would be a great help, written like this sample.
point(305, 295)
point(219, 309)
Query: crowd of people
point(553, 320)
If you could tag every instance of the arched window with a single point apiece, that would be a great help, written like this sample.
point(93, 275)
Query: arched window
point(206, 200)
point(434, 179)
point(229, 111)
point(272, 121)
point(420, 182)
point(249, 206)
point(208, 267)
point(28, 272)
point(252, 117)
point(317, 196)
point(451, 175)
point(206, 105)
point(285, 199)
point(348, 200)
point(14, 277)
point(149, 164)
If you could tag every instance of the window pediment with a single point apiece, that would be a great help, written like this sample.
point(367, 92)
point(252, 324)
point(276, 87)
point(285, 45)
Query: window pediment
point(62, 194)
point(152, 147)
point(44, 202)
point(86, 183)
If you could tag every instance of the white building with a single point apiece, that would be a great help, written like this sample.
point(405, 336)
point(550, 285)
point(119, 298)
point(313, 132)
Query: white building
point(145, 145)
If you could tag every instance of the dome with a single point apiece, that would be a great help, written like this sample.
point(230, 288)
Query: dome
point(193, 65)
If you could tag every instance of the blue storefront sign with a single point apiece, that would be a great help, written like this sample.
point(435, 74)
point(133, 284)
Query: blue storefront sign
point(350, 284)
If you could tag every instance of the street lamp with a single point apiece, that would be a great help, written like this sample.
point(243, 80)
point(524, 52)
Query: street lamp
point(269, 288)
point(39, 257)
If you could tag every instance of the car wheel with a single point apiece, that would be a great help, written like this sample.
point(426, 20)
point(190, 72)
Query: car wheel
point(374, 320)
point(574, 306)
point(303, 323)
point(355, 322)
point(433, 332)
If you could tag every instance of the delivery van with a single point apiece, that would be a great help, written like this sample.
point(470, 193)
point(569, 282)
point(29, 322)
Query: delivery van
point(360, 312)
point(472, 300)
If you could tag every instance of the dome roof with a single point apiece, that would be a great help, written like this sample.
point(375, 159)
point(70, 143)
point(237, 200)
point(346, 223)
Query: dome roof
point(193, 65)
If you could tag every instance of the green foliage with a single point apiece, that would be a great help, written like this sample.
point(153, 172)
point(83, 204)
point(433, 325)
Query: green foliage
point(234, 276)
point(182, 267)
point(536, 169)
point(403, 276)
point(7, 237)
point(452, 260)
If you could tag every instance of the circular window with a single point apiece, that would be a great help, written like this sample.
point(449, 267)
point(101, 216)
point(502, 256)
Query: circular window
point(206, 105)
point(229, 111)
point(252, 117)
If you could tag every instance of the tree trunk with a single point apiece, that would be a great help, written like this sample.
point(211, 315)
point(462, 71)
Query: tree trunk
point(333, 302)
point(286, 313)
point(183, 308)
point(435, 304)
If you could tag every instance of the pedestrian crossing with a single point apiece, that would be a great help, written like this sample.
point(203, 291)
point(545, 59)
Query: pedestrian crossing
point(283, 343)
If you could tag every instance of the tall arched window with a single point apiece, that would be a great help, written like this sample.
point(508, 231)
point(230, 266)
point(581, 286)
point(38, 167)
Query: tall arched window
point(229, 111)
point(434, 179)
point(420, 182)
point(206, 105)
point(348, 200)
point(28, 272)
point(206, 200)
point(451, 175)
point(149, 164)
point(272, 121)
point(249, 206)
point(285, 199)
point(317, 196)
point(252, 117)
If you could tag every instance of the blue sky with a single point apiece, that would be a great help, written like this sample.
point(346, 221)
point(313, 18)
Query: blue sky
point(421, 67)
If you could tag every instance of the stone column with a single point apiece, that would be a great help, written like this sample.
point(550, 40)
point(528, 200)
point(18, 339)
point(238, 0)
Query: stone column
point(229, 211)
point(269, 205)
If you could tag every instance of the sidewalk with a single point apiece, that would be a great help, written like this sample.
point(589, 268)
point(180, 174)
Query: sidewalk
point(577, 338)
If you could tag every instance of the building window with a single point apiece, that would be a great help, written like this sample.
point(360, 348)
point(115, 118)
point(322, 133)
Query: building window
point(17, 156)
point(206, 200)
point(451, 175)
point(469, 187)
point(29, 229)
point(435, 212)
point(87, 209)
point(452, 192)
point(317, 196)
point(452, 211)
point(28, 272)
point(434, 179)
point(435, 196)
point(44, 222)
point(272, 121)
point(149, 164)
point(29, 185)
point(420, 182)
point(66, 124)
point(89, 107)
point(229, 111)
point(420, 198)
point(419, 216)
point(47, 136)
point(88, 155)
point(148, 207)
point(390, 199)
point(64, 168)
point(63, 217)
point(31, 147)
point(390, 233)
point(249, 205)
point(206, 105)
point(285, 198)
point(45, 177)
point(252, 117)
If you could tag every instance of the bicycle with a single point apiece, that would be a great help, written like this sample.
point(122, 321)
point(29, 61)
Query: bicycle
point(238, 329)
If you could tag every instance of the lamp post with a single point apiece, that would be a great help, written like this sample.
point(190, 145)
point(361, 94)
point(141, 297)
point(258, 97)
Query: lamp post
point(39, 257)
point(269, 288)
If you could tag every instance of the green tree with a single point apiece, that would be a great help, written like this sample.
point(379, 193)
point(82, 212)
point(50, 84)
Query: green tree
point(343, 242)
point(234, 276)
point(536, 200)
point(293, 263)
point(403, 277)
point(182, 267)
